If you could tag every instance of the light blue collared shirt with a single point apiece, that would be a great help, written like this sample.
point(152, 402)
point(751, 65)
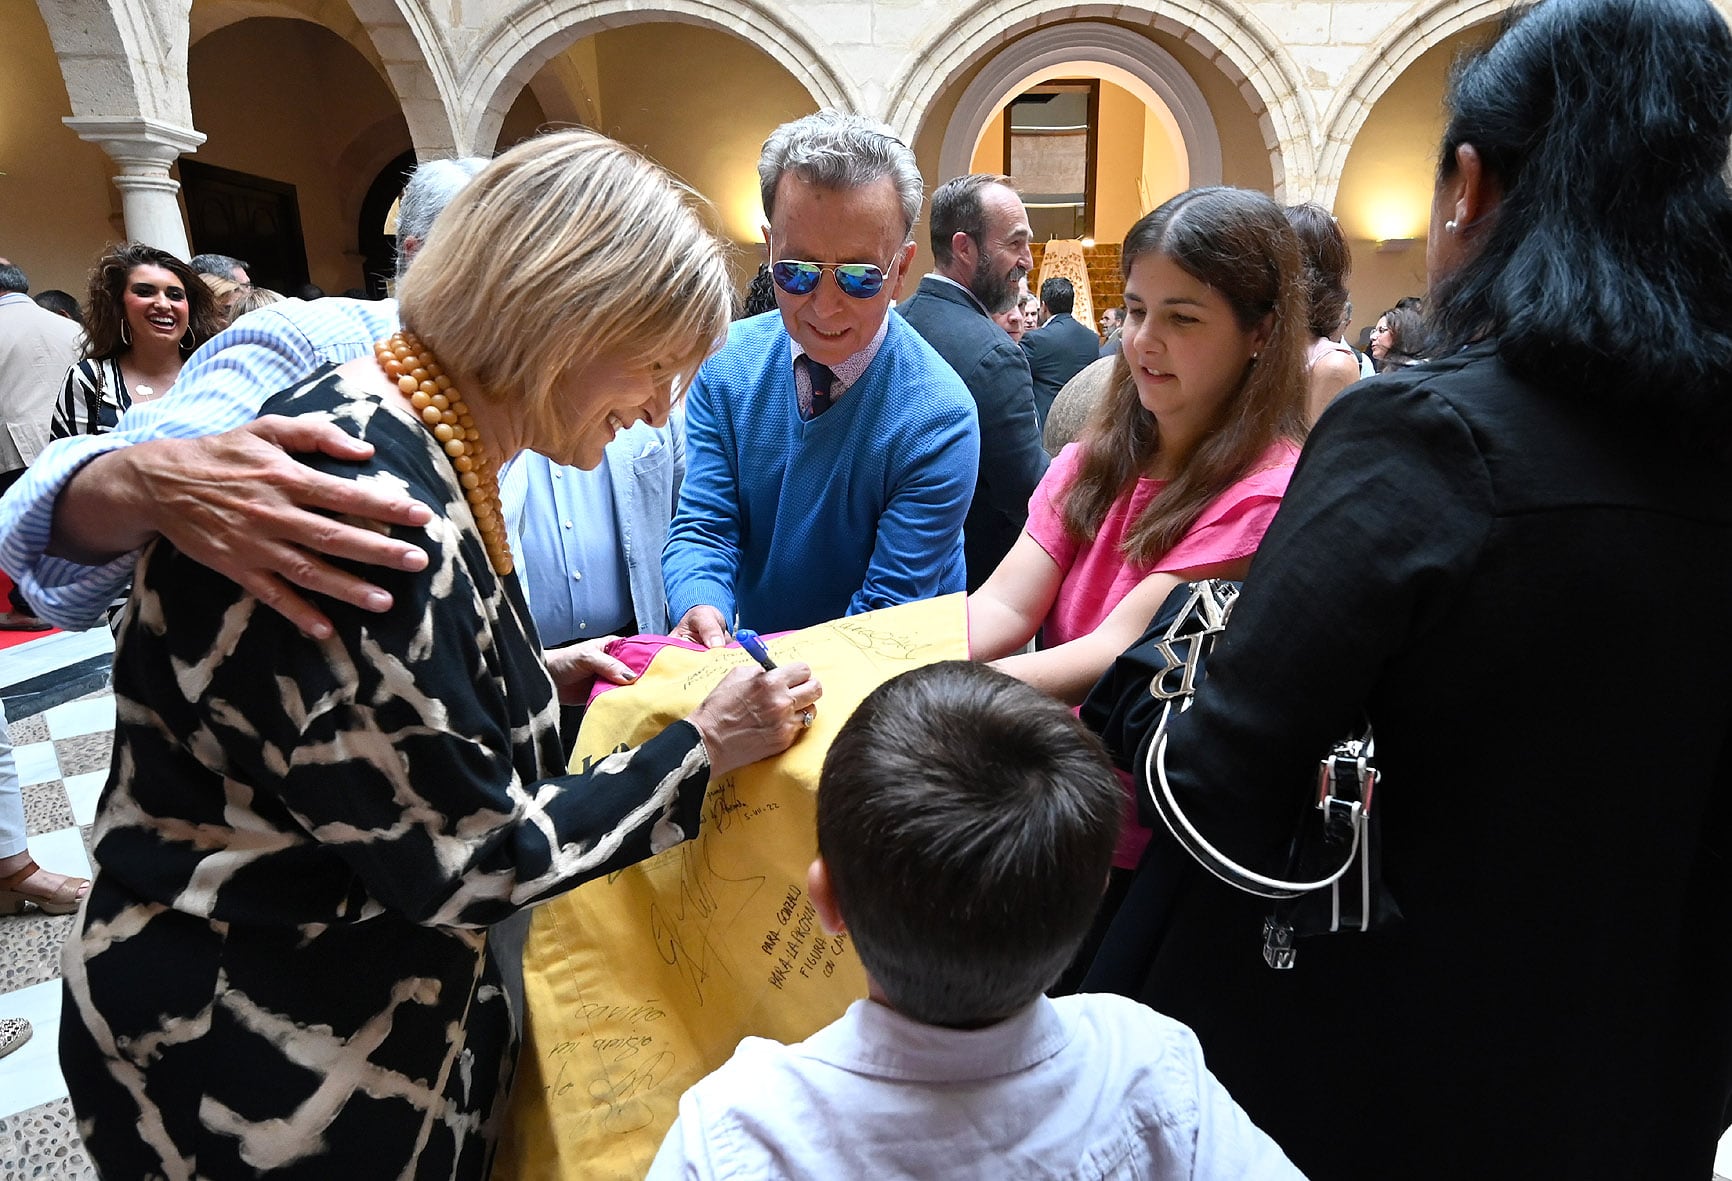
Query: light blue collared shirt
point(222, 386)
point(1086, 1086)
point(566, 532)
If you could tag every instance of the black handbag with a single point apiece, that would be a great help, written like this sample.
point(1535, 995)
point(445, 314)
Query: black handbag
point(1333, 878)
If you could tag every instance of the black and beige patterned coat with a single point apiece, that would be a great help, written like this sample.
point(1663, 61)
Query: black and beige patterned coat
point(282, 967)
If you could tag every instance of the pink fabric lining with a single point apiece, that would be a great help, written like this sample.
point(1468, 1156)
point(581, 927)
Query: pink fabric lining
point(636, 652)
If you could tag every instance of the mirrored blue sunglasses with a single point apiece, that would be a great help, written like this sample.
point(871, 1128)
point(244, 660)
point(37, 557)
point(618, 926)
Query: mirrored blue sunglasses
point(862, 280)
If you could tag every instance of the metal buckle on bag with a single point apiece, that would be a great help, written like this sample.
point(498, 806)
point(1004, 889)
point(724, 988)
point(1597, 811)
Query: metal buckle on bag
point(1350, 761)
point(1278, 949)
point(1209, 605)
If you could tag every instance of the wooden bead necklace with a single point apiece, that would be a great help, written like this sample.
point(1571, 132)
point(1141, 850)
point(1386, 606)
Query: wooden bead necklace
point(418, 374)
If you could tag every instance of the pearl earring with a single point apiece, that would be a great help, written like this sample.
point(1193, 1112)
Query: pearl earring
point(1449, 227)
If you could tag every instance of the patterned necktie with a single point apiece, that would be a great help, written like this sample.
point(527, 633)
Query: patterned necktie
point(822, 378)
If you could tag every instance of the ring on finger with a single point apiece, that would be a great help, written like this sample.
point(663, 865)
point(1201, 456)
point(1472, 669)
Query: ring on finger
point(806, 717)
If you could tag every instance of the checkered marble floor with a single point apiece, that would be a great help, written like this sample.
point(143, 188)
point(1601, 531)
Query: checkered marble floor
point(62, 757)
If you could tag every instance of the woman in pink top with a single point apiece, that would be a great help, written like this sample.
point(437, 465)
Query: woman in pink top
point(1183, 462)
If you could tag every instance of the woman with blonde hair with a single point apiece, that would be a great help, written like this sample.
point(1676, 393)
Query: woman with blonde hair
point(1184, 460)
point(251, 299)
point(224, 291)
point(283, 966)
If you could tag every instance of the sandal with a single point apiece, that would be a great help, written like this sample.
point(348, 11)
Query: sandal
point(63, 899)
point(14, 1032)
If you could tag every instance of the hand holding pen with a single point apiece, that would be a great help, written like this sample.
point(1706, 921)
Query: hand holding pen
point(753, 714)
point(754, 646)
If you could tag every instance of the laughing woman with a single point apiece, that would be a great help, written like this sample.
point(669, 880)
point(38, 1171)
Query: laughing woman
point(283, 968)
point(147, 313)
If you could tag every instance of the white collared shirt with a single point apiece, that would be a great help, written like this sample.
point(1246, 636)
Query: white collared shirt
point(1083, 1087)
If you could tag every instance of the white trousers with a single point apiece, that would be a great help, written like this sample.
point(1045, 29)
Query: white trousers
point(11, 796)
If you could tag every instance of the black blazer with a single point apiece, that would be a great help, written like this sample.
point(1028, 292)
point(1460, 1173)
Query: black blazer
point(1527, 595)
point(993, 369)
point(1057, 351)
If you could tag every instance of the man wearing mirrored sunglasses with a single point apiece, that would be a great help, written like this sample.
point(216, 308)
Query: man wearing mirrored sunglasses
point(980, 239)
point(831, 454)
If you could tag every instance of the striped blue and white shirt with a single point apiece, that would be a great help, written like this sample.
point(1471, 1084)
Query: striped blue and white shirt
point(222, 387)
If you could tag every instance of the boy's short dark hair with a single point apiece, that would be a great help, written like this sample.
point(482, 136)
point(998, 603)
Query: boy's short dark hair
point(967, 822)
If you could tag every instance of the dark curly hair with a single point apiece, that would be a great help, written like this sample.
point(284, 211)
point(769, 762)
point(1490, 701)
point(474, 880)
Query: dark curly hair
point(105, 307)
point(1406, 338)
point(760, 296)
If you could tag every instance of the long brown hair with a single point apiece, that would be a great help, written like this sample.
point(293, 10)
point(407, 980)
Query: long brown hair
point(1239, 243)
point(1324, 264)
point(105, 308)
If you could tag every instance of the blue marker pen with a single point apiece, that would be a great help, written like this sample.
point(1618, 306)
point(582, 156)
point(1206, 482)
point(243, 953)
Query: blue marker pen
point(748, 639)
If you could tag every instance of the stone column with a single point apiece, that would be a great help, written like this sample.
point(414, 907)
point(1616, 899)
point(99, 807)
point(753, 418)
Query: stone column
point(144, 149)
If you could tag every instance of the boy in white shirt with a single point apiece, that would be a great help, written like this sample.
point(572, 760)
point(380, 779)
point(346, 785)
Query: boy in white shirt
point(965, 826)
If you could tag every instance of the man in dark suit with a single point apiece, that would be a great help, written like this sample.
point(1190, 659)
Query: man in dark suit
point(980, 238)
point(1060, 348)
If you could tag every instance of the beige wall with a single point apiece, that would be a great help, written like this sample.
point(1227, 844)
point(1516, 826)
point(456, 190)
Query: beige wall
point(522, 121)
point(1166, 171)
point(1118, 160)
point(1381, 278)
point(989, 153)
point(1244, 158)
point(297, 106)
point(1386, 183)
point(1118, 163)
point(293, 102)
point(58, 207)
point(701, 103)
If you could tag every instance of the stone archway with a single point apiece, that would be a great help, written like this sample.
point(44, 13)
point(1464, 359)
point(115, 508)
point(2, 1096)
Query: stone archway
point(124, 65)
point(412, 48)
point(536, 31)
point(122, 58)
point(379, 32)
point(1382, 64)
point(333, 15)
point(1121, 57)
point(1237, 44)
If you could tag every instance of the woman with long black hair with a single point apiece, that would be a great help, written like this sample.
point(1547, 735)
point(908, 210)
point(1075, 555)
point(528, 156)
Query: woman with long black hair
point(1516, 560)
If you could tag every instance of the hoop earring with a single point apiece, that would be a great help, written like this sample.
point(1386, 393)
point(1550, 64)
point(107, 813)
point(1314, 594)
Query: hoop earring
point(124, 338)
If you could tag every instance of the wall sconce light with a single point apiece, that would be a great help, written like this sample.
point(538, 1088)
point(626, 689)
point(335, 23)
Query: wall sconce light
point(1395, 245)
